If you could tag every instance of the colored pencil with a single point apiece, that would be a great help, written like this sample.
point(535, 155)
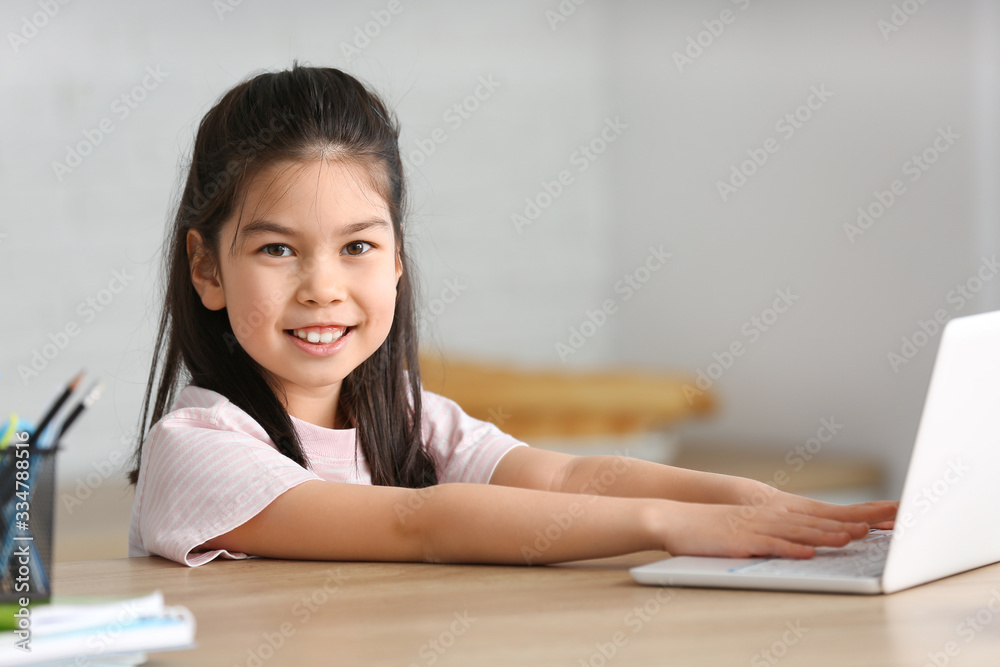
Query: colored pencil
point(93, 394)
point(47, 418)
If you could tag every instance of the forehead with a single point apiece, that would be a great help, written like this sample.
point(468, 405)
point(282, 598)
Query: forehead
point(336, 186)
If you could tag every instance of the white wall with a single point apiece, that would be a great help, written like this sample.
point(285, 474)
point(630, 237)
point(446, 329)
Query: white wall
point(520, 292)
point(784, 229)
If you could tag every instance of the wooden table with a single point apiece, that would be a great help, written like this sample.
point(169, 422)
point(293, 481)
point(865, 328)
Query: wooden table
point(590, 614)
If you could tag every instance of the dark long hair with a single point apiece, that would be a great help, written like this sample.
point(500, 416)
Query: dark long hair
point(300, 114)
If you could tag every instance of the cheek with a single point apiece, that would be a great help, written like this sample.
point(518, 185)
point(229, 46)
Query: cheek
point(382, 301)
point(387, 302)
point(251, 305)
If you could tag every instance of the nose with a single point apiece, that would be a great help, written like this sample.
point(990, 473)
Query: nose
point(321, 282)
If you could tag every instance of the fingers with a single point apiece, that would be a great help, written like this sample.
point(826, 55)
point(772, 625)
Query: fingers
point(789, 530)
point(871, 512)
point(825, 536)
point(785, 541)
point(817, 532)
point(784, 549)
point(823, 517)
point(751, 545)
point(786, 533)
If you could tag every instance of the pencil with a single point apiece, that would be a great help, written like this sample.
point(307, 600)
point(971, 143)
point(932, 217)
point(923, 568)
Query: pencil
point(8, 435)
point(9, 431)
point(47, 419)
point(93, 394)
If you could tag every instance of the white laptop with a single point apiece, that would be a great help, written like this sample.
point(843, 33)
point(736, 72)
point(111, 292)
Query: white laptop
point(947, 515)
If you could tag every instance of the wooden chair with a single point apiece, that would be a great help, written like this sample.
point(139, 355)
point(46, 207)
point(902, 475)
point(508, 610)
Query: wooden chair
point(547, 403)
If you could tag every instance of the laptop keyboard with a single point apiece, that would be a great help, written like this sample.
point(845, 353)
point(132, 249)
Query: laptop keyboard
point(859, 559)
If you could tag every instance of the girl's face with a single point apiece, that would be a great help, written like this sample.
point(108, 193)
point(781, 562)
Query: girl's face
point(307, 271)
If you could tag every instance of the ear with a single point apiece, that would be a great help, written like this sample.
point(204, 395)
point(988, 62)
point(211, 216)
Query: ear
point(204, 272)
point(399, 266)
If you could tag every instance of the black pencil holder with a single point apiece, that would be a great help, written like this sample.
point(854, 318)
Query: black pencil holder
point(27, 513)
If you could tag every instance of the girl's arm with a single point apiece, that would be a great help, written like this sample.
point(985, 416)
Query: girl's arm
point(532, 468)
point(528, 467)
point(480, 523)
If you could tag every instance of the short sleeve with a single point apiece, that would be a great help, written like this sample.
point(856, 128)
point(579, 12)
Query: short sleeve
point(200, 479)
point(464, 449)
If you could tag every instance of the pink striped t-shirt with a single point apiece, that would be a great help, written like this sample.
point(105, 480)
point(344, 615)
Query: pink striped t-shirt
point(208, 467)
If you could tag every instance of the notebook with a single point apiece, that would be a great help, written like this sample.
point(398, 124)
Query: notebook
point(947, 514)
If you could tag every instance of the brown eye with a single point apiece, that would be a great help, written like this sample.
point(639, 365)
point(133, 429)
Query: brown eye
point(357, 248)
point(276, 250)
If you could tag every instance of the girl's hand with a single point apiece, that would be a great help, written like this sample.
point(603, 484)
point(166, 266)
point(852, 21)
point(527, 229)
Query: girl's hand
point(877, 514)
point(785, 525)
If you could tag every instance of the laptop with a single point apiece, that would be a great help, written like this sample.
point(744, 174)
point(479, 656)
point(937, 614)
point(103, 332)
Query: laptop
point(946, 522)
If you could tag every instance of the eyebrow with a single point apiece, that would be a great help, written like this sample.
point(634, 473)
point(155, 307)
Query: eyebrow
point(255, 227)
point(355, 227)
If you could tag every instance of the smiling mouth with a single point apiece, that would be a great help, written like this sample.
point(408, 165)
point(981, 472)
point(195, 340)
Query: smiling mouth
point(319, 335)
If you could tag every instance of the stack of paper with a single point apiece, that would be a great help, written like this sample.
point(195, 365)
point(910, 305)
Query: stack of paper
point(102, 633)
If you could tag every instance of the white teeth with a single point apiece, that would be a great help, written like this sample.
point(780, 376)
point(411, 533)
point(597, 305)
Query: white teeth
point(317, 337)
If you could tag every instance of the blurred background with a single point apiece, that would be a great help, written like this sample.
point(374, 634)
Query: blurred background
point(627, 185)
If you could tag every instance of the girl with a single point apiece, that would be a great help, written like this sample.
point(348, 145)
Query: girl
point(303, 430)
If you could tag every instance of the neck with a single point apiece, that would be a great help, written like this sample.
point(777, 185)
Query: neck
point(319, 407)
